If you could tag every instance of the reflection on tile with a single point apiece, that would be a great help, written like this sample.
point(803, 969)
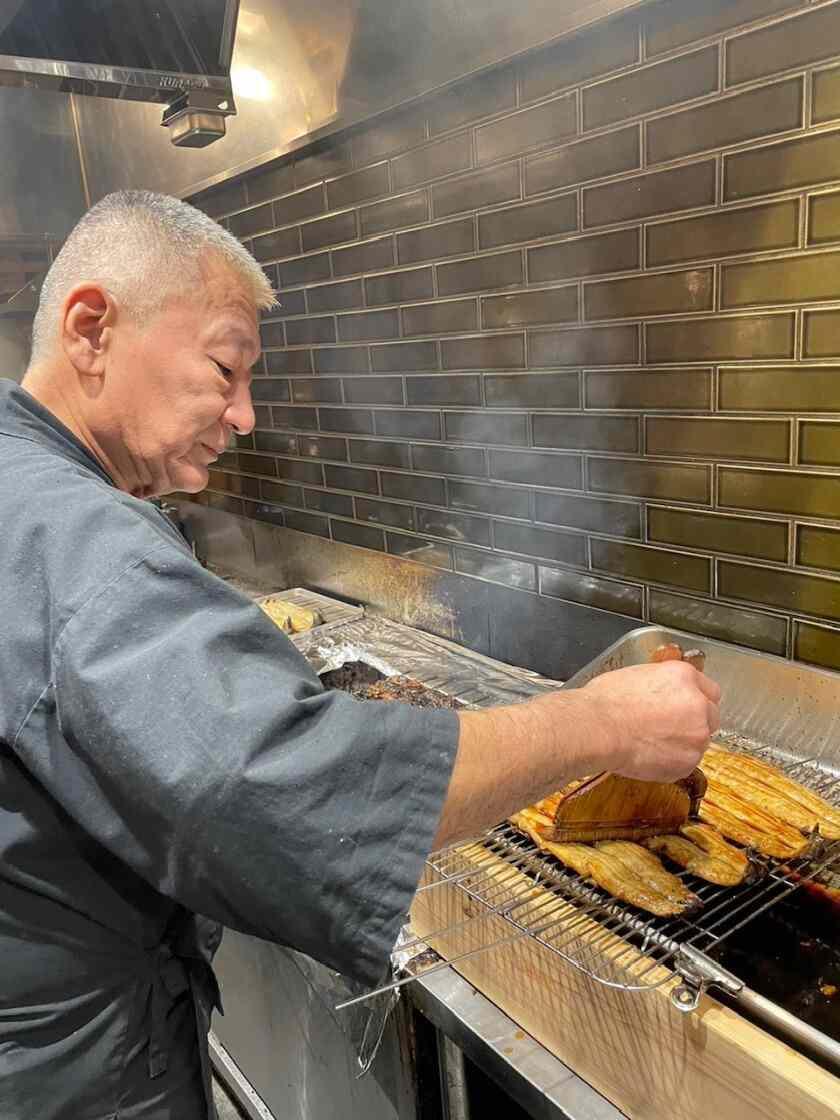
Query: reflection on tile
point(257, 464)
point(322, 501)
point(818, 645)
point(478, 497)
point(585, 256)
point(315, 390)
point(393, 133)
point(305, 419)
point(727, 624)
point(731, 120)
point(783, 166)
point(336, 297)
point(409, 425)
point(659, 192)
point(661, 294)
point(322, 163)
point(282, 493)
point(486, 427)
point(373, 390)
point(304, 270)
point(400, 287)
point(592, 591)
point(542, 469)
point(269, 389)
point(552, 305)
point(587, 433)
point(440, 389)
point(811, 495)
point(276, 441)
point(271, 184)
point(819, 443)
point(790, 280)
point(584, 160)
point(303, 204)
point(826, 95)
point(808, 38)
point(759, 440)
point(432, 161)
point(547, 544)
point(352, 420)
point(673, 23)
point(576, 58)
point(780, 389)
point(351, 478)
point(414, 488)
point(618, 519)
point(341, 359)
point(678, 569)
point(448, 239)
point(472, 99)
point(441, 318)
point(290, 303)
point(322, 447)
point(404, 357)
point(454, 526)
point(498, 569)
point(363, 536)
point(528, 222)
point(497, 351)
point(376, 452)
point(530, 128)
point(288, 361)
point(675, 481)
point(419, 549)
point(774, 587)
point(469, 461)
point(370, 256)
point(500, 270)
point(297, 471)
point(358, 185)
point(818, 547)
point(394, 213)
point(392, 514)
point(822, 334)
point(750, 337)
point(725, 233)
point(253, 221)
point(654, 87)
point(369, 324)
point(300, 332)
point(307, 523)
point(765, 540)
point(588, 346)
point(478, 189)
point(531, 390)
point(648, 389)
point(329, 231)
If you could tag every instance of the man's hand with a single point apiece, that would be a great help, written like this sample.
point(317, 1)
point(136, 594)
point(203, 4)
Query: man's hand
point(659, 718)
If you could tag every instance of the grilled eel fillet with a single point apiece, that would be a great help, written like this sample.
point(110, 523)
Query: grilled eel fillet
point(704, 852)
point(773, 791)
point(627, 871)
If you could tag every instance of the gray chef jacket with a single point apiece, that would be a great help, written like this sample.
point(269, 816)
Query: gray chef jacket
point(166, 753)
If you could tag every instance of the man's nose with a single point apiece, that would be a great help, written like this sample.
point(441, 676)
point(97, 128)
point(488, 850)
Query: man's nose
point(239, 413)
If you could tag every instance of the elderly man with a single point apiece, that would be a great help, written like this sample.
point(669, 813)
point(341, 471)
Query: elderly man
point(166, 753)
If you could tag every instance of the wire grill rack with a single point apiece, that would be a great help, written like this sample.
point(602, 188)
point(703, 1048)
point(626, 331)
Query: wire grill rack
point(614, 943)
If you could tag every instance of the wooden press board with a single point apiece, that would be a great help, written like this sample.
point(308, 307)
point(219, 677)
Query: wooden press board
point(651, 1060)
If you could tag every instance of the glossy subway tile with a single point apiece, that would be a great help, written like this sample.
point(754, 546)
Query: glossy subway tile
point(529, 128)
point(301, 205)
point(477, 189)
point(774, 587)
point(408, 424)
point(373, 325)
point(598, 515)
point(454, 526)
point(665, 293)
point(374, 452)
point(497, 351)
point(581, 57)
point(422, 488)
point(824, 218)
point(650, 390)
point(709, 437)
point(528, 222)
point(447, 317)
point(394, 213)
point(821, 334)
point(818, 547)
point(532, 390)
point(509, 428)
point(400, 287)
point(341, 359)
point(744, 337)
point(473, 98)
point(803, 279)
point(585, 256)
point(369, 256)
point(358, 186)
point(725, 233)
point(584, 160)
point(432, 161)
point(795, 492)
point(336, 297)
point(712, 532)
point(441, 389)
point(363, 536)
point(547, 544)
point(322, 501)
point(650, 88)
point(391, 514)
point(467, 461)
point(676, 23)
point(405, 357)
point(592, 591)
point(799, 41)
point(586, 432)
point(354, 421)
point(826, 95)
point(818, 645)
point(654, 565)
point(780, 389)
point(819, 443)
point(551, 305)
point(539, 468)
point(718, 620)
point(448, 239)
point(499, 270)
point(351, 478)
point(420, 549)
point(588, 346)
point(373, 390)
point(679, 482)
point(479, 497)
point(656, 192)
point(498, 569)
point(783, 166)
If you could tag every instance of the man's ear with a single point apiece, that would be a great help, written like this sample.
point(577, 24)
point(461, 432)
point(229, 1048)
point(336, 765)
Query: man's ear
point(87, 314)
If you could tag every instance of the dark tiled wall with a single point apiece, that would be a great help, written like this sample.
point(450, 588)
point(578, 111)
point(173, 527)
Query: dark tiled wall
point(574, 326)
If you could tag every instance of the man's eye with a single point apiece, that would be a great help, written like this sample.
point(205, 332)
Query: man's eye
point(224, 370)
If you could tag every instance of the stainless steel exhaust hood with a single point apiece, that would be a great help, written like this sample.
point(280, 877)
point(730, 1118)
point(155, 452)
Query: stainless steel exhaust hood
point(174, 52)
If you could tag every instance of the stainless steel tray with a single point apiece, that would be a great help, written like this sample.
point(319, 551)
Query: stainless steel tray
point(786, 707)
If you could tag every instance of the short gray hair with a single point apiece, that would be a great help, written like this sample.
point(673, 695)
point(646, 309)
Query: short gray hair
point(145, 248)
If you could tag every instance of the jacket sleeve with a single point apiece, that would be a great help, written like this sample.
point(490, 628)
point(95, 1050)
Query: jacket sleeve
point(198, 746)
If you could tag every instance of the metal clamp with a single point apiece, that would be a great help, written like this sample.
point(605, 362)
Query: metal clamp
point(699, 971)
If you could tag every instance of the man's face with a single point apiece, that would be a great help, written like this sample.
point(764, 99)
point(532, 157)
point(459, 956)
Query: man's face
point(178, 387)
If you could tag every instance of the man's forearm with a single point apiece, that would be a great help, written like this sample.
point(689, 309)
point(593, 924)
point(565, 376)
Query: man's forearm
point(507, 760)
